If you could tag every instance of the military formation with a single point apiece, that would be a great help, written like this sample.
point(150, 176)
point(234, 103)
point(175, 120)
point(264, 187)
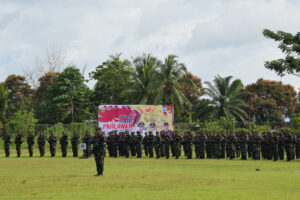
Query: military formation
point(267, 145)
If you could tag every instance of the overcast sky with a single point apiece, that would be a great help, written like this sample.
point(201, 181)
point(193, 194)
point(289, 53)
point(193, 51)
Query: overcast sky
point(211, 37)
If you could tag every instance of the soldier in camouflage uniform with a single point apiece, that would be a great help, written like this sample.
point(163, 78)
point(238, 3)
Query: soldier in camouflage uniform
point(274, 143)
point(64, 144)
point(298, 147)
point(126, 144)
point(109, 142)
point(74, 141)
point(243, 142)
point(6, 141)
point(18, 142)
point(289, 145)
point(223, 145)
point(231, 142)
point(30, 143)
point(121, 144)
point(139, 142)
point(132, 143)
point(87, 139)
point(281, 146)
point(165, 138)
point(98, 151)
point(150, 143)
point(115, 144)
point(197, 144)
point(145, 140)
point(189, 145)
point(41, 140)
point(208, 145)
point(250, 146)
point(157, 145)
point(52, 143)
point(256, 145)
point(177, 144)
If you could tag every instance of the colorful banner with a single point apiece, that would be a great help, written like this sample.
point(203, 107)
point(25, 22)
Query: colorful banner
point(136, 117)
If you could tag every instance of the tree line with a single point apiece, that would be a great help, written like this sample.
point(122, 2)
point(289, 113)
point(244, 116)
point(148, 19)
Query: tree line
point(63, 96)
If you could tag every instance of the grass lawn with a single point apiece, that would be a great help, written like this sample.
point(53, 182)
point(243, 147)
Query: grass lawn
point(69, 178)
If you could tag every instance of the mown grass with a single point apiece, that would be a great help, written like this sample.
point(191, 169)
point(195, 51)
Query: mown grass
point(70, 178)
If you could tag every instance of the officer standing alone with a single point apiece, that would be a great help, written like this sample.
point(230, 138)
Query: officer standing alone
point(98, 151)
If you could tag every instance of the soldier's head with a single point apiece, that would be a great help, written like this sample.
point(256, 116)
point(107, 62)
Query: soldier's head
point(126, 132)
point(146, 133)
point(64, 133)
point(51, 132)
point(138, 133)
point(18, 133)
point(150, 133)
point(86, 133)
point(133, 133)
point(157, 133)
point(41, 133)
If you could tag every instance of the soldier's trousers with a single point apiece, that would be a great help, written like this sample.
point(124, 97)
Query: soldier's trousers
point(42, 150)
point(99, 164)
point(202, 151)
point(146, 149)
point(166, 149)
point(275, 152)
point(18, 149)
point(298, 150)
point(109, 147)
point(132, 150)
point(197, 150)
point(52, 150)
point(281, 151)
point(223, 149)
point(115, 150)
point(189, 151)
point(6, 149)
point(139, 150)
point(126, 151)
point(288, 150)
point(157, 151)
point(250, 150)
point(64, 150)
point(30, 150)
point(243, 151)
point(150, 151)
point(173, 149)
point(256, 152)
point(75, 150)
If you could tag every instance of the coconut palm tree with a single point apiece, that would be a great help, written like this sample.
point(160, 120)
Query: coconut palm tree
point(146, 71)
point(167, 85)
point(225, 98)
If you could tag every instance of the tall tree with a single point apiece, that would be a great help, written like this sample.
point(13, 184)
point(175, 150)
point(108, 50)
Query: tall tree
point(146, 71)
point(270, 100)
point(41, 96)
point(19, 94)
point(289, 45)
point(167, 85)
point(3, 103)
point(113, 77)
point(67, 97)
point(225, 98)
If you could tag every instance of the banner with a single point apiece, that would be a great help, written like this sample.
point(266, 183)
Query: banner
point(136, 117)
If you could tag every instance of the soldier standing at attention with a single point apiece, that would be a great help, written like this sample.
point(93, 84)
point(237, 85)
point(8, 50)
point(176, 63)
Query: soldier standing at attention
point(145, 143)
point(150, 142)
point(231, 142)
point(98, 151)
point(6, 141)
point(157, 144)
point(281, 146)
point(121, 144)
point(189, 145)
point(18, 142)
point(52, 143)
point(41, 140)
point(256, 145)
point(202, 145)
point(274, 143)
point(298, 147)
point(87, 139)
point(288, 145)
point(126, 144)
point(115, 143)
point(30, 143)
point(74, 141)
point(197, 144)
point(133, 144)
point(243, 141)
point(166, 143)
point(139, 141)
point(64, 144)
point(109, 142)
point(177, 144)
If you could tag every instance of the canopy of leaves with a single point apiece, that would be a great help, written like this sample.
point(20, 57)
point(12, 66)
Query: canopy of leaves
point(270, 100)
point(289, 45)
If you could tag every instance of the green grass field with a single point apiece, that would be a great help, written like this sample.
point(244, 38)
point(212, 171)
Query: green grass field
point(70, 178)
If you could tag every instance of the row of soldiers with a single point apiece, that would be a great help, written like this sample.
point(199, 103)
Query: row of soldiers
point(210, 145)
point(52, 140)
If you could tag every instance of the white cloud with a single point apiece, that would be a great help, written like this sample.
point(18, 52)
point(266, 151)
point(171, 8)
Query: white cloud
point(212, 37)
